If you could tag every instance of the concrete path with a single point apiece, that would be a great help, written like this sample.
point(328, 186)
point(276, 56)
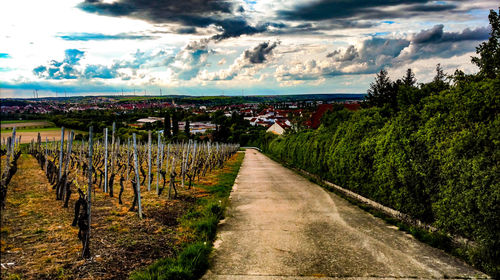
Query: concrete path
point(281, 226)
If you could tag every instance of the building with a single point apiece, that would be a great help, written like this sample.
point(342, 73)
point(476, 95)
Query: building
point(150, 120)
point(277, 128)
point(316, 116)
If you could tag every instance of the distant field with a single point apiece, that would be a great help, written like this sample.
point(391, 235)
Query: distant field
point(16, 121)
point(24, 124)
point(52, 133)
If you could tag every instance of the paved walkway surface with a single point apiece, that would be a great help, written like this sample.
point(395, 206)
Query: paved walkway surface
point(281, 226)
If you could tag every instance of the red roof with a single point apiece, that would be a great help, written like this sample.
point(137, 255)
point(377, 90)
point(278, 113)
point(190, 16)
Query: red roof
point(316, 116)
point(352, 106)
point(282, 124)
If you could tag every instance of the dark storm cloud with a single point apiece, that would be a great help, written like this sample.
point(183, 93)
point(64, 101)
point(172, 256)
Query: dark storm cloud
point(318, 28)
point(185, 30)
point(236, 27)
point(190, 13)
point(103, 37)
point(437, 35)
point(361, 9)
point(258, 54)
point(160, 11)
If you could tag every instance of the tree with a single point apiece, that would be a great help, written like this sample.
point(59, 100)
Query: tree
point(440, 75)
point(175, 124)
point(187, 128)
point(166, 130)
point(409, 79)
point(382, 91)
point(489, 52)
point(439, 82)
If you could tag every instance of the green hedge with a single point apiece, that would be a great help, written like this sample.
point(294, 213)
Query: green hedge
point(436, 160)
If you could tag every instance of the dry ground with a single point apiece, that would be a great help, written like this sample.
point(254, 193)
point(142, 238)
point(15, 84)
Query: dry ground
point(38, 241)
point(27, 136)
point(21, 125)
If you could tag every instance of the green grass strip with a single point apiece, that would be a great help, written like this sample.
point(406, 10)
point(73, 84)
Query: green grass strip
point(193, 260)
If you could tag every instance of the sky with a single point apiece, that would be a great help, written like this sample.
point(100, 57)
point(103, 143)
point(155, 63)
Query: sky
point(230, 47)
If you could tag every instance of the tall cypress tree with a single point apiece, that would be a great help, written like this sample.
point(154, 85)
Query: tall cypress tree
point(175, 124)
point(187, 128)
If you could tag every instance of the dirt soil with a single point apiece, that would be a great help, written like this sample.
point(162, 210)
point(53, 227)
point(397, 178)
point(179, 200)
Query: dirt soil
point(38, 241)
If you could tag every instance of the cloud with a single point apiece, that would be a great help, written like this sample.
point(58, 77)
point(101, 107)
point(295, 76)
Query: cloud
point(436, 35)
point(373, 54)
point(189, 13)
point(185, 30)
point(101, 37)
point(247, 64)
point(435, 42)
point(258, 54)
point(188, 62)
point(141, 59)
point(73, 56)
point(58, 70)
point(99, 71)
point(5, 55)
point(70, 67)
point(361, 9)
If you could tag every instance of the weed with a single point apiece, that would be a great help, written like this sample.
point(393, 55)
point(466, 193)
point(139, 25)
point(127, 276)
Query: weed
point(14, 277)
point(202, 220)
point(39, 231)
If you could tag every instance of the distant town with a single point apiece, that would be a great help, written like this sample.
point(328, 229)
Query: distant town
point(276, 114)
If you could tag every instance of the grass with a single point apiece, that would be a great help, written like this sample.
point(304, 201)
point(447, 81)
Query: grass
point(22, 121)
point(200, 227)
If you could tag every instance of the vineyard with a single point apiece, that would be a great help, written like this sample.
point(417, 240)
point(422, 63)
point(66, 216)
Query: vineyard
point(82, 173)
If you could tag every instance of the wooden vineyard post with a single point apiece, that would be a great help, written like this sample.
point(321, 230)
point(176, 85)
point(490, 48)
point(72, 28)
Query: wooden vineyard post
point(184, 153)
point(46, 153)
point(149, 160)
point(138, 184)
point(172, 179)
point(112, 157)
point(82, 146)
point(61, 153)
point(65, 189)
point(158, 167)
point(128, 158)
point(86, 247)
point(106, 160)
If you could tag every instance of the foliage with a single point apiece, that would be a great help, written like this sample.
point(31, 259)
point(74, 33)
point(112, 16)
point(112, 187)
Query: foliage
point(381, 91)
point(434, 158)
point(489, 52)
